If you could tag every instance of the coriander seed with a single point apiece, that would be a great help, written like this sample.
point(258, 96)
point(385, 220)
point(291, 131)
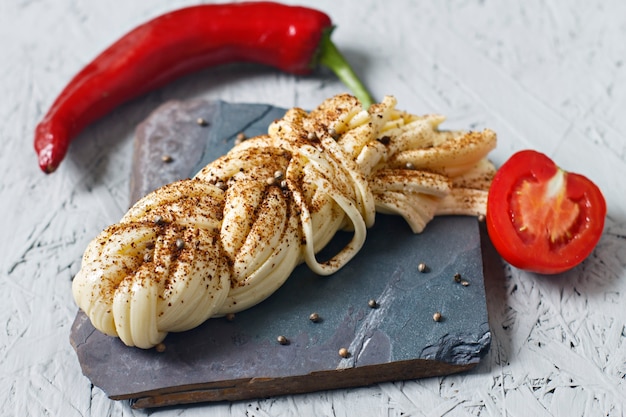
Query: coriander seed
point(240, 138)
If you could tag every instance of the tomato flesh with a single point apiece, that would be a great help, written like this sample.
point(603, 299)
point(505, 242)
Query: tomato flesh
point(542, 218)
point(543, 211)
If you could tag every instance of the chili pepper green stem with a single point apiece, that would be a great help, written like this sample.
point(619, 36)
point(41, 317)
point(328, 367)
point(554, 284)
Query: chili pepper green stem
point(332, 58)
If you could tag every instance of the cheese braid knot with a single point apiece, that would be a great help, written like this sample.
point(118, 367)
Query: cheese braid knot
point(228, 238)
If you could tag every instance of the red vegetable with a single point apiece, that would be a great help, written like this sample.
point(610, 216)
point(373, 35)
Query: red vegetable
point(542, 218)
point(292, 39)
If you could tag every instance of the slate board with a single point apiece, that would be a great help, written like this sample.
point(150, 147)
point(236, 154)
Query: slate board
point(241, 358)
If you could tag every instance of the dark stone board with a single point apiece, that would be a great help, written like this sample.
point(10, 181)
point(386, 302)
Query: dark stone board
point(241, 358)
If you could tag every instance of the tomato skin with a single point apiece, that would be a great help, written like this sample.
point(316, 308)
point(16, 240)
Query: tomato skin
point(508, 221)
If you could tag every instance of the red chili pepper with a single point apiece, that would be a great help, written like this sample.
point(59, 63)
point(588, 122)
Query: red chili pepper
point(292, 39)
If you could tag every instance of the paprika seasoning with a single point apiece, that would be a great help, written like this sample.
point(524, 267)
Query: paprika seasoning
point(290, 38)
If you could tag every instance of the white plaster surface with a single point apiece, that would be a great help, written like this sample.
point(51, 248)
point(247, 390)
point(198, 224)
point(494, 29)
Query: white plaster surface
point(545, 74)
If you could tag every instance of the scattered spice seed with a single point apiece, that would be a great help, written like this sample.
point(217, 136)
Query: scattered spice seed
point(221, 185)
point(409, 165)
point(202, 122)
point(437, 316)
point(385, 140)
point(372, 303)
point(343, 352)
point(180, 243)
point(481, 218)
point(147, 257)
point(422, 267)
point(167, 159)
point(282, 340)
point(271, 181)
point(160, 347)
point(230, 316)
point(457, 277)
point(278, 174)
point(240, 138)
point(283, 184)
point(464, 283)
point(314, 317)
point(311, 136)
point(159, 220)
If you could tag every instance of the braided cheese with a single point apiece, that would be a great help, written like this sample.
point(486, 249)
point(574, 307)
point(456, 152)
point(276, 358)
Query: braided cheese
point(228, 238)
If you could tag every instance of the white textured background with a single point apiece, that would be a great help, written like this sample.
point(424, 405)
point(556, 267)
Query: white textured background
point(545, 74)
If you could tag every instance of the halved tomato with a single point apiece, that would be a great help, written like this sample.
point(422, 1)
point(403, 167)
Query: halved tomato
point(541, 218)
